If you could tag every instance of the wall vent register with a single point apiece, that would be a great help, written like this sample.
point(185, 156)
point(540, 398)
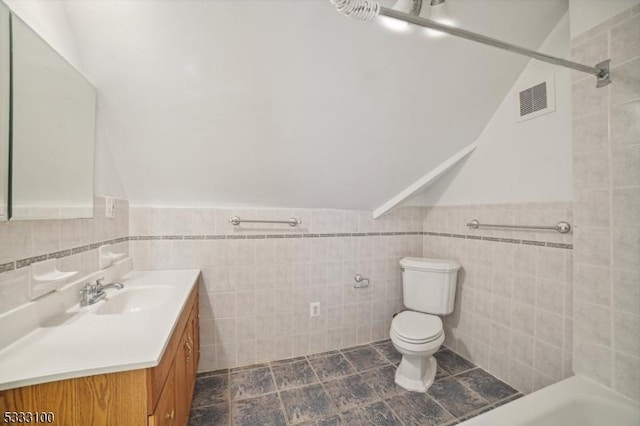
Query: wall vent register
point(535, 100)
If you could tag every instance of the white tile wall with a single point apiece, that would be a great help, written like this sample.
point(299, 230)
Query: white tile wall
point(30, 238)
point(607, 181)
point(513, 312)
point(256, 292)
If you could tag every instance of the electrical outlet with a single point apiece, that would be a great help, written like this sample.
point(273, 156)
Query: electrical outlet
point(110, 207)
point(314, 309)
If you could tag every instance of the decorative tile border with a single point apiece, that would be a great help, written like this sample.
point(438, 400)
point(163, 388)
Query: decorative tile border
point(22, 263)
point(502, 240)
point(268, 236)
point(6, 267)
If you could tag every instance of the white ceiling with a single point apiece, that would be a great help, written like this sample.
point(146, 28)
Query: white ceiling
point(287, 103)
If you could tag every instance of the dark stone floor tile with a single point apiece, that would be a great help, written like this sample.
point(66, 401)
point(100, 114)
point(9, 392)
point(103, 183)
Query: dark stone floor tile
point(261, 411)
point(417, 409)
point(507, 400)
point(365, 358)
point(307, 403)
point(378, 414)
point(382, 380)
point(451, 362)
point(251, 383)
point(327, 421)
point(210, 390)
point(350, 392)
point(213, 373)
point(354, 417)
point(293, 375)
point(322, 354)
point(331, 367)
point(476, 413)
point(487, 386)
point(216, 414)
point(440, 373)
point(455, 397)
point(389, 351)
point(288, 360)
point(381, 415)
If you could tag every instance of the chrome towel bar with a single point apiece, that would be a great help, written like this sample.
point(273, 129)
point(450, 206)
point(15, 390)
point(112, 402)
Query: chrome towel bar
point(562, 227)
point(291, 221)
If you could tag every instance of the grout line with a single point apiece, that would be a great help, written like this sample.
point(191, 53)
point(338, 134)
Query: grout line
point(489, 404)
point(464, 371)
point(315, 373)
point(384, 401)
point(275, 384)
point(349, 362)
point(440, 405)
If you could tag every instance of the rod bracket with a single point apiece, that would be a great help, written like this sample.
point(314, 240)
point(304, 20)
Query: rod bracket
point(604, 78)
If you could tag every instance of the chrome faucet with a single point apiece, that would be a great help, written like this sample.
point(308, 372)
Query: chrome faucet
point(101, 286)
point(93, 293)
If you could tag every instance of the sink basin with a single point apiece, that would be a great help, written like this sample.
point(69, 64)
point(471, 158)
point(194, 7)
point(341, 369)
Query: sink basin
point(136, 299)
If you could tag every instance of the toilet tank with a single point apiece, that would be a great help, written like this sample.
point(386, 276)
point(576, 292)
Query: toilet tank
point(429, 285)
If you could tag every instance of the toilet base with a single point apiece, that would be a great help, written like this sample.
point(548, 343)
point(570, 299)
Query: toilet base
point(416, 373)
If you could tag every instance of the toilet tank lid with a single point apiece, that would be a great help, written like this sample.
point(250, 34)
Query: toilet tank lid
point(424, 264)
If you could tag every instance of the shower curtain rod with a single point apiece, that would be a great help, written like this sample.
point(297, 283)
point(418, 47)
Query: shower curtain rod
point(367, 10)
point(600, 70)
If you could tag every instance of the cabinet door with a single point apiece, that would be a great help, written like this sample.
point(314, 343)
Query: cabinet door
point(194, 340)
point(166, 411)
point(196, 336)
point(185, 367)
point(180, 366)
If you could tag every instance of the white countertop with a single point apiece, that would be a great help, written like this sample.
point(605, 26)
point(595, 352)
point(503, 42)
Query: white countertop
point(78, 342)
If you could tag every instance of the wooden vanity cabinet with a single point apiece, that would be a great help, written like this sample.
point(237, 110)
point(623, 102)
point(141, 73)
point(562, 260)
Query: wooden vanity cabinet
point(158, 396)
point(185, 368)
point(167, 408)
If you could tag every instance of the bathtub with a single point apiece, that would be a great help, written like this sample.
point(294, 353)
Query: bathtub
point(572, 402)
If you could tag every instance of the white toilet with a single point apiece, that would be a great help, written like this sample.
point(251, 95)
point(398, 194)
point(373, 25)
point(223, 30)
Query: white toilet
point(428, 289)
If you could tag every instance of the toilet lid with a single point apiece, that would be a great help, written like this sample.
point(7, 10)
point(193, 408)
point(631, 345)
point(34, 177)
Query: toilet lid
point(416, 326)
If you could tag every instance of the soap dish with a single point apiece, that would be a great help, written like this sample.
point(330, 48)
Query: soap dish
point(44, 277)
point(106, 257)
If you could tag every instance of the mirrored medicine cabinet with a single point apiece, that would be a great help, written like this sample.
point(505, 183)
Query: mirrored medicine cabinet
point(47, 129)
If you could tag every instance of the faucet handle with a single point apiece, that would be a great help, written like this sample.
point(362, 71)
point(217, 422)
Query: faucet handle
point(99, 282)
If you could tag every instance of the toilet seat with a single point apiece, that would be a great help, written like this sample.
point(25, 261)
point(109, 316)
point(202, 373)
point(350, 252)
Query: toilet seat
point(416, 327)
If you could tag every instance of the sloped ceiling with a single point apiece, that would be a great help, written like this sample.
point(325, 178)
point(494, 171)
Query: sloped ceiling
point(287, 103)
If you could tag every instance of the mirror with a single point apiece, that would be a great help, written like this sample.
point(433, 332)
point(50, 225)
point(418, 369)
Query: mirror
point(4, 110)
point(52, 132)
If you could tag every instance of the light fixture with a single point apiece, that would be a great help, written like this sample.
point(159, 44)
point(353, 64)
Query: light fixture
point(438, 12)
point(413, 7)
